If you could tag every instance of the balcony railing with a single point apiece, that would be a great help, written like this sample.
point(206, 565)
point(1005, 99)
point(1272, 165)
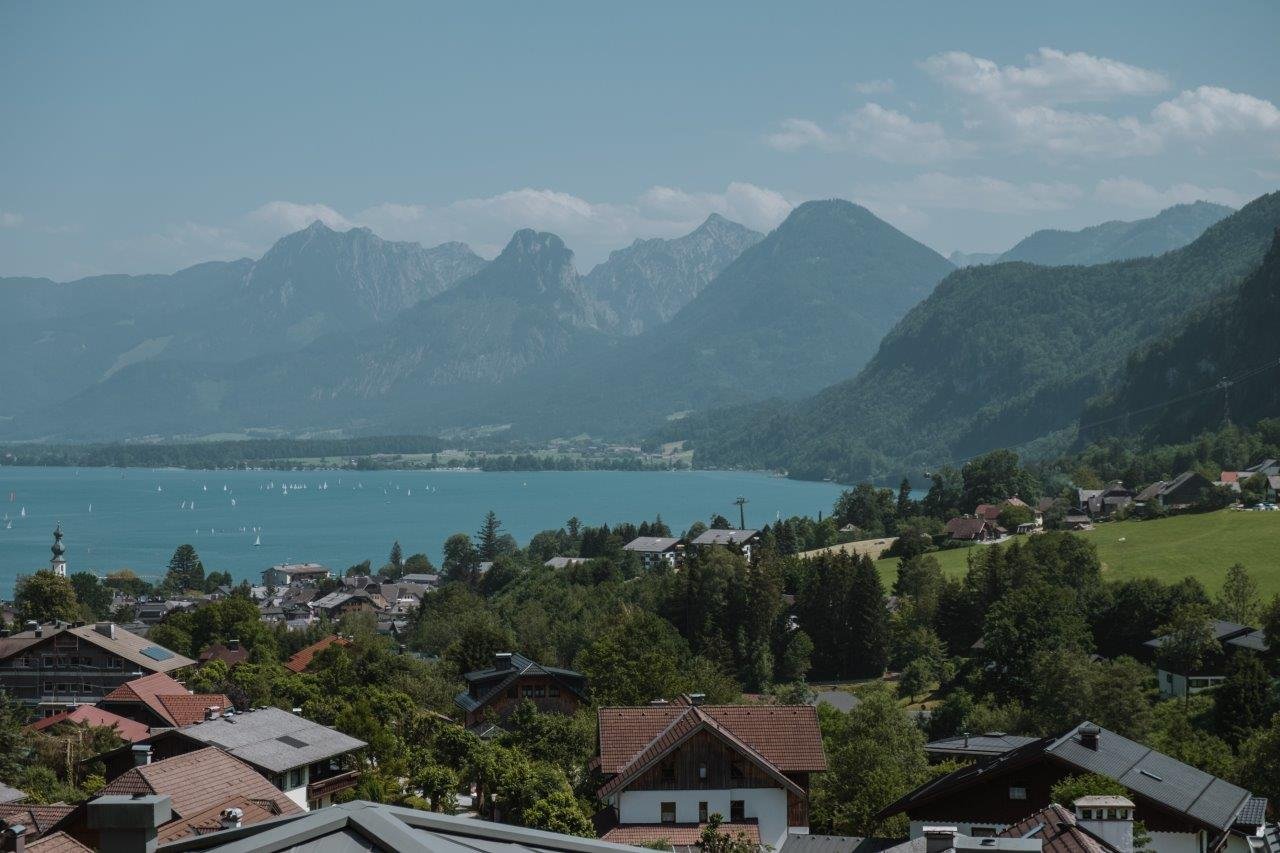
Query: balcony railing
point(332, 784)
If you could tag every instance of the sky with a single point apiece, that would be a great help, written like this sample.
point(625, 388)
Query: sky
point(145, 137)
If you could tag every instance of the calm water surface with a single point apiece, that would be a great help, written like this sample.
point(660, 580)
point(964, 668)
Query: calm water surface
point(135, 518)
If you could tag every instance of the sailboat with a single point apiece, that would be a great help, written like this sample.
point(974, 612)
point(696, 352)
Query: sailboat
point(8, 525)
point(257, 540)
point(23, 514)
point(90, 507)
point(233, 501)
point(159, 488)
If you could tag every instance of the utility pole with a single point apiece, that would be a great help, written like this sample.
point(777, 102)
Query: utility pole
point(1225, 385)
point(742, 513)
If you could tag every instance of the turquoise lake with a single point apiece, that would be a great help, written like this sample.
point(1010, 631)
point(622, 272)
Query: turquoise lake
point(135, 518)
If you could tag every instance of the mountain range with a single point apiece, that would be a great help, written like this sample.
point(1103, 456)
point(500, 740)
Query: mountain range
point(997, 356)
point(836, 345)
point(1171, 228)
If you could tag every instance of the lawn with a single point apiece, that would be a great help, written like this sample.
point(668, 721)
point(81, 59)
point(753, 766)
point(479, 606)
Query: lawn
point(1203, 545)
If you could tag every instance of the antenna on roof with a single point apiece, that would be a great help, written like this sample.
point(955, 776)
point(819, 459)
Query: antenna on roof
point(742, 513)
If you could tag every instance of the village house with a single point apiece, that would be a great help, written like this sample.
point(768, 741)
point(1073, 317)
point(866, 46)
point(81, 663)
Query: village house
point(493, 693)
point(301, 659)
point(309, 762)
point(288, 573)
point(1185, 810)
point(745, 541)
point(337, 604)
point(231, 653)
point(1181, 492)
point(1232, 638)
point(130, 731)
point(668, 767)
point(48, 667)
point(202, 787)
point(991, 512)
point(655, 550)
point(974, 747)
point(1105, 502)
point(972, 529)
point(564, 562)
point(157, 700)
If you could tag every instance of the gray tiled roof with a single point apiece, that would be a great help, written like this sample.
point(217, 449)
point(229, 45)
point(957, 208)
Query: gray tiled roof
point(724, 537)
point(651, 544)
point(1155, 776)
point(273, 739)
point(361, 826)
point(1254, 812)
point(990, 743)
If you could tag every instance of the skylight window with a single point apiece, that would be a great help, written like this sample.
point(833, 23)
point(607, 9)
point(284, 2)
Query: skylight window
point(157, 653)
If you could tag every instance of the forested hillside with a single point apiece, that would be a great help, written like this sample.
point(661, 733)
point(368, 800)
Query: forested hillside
point(1166, 391)
point(997, 356)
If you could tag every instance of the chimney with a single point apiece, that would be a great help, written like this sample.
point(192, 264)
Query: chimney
point(141, 755)
point(1089, 734)
point(128, 824)
point(502, 660)
point(231, 818)
point(211, 712)
point(697, 698)
point(1109, 818)
point(939, 838)
point(31, 625)
point(15, 838)
point(106, 629)
point(233, 645)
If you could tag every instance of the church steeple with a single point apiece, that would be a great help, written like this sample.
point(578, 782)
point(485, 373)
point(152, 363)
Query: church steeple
point(59, 563)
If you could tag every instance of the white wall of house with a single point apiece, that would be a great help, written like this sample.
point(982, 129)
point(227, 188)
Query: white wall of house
point(767, 805)
point(1177, 842)
point(294, 785)
point(1173, 684)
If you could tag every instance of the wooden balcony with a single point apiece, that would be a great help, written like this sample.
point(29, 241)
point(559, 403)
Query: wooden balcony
point(332, 784)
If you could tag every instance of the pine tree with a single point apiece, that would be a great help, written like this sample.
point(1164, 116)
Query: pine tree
point(1243, 703)
point(868, 651)
point(397, 556)
point(185, 570)
point(1239, 601)
point(487, 537)
point(906, 506)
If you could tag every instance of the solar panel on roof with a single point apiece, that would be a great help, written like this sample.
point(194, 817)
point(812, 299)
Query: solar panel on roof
point(157, 653)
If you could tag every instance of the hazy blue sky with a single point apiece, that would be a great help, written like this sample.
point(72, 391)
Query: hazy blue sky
point(147, 136)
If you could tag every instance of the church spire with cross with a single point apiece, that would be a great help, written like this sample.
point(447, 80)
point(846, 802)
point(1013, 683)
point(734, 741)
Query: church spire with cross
point(59, 563)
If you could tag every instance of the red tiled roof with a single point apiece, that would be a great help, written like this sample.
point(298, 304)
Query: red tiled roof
point(58, 842)
point(197, 781)
point(130, 730)
point(218, 651)
point(167, 698)
point(187, 708)
point(1056, 829)
point(990, 512)
point(676, 834)
point(302, 659)
point(209, 820)
point(787, 736)
point(140, 689)
point(37, 819)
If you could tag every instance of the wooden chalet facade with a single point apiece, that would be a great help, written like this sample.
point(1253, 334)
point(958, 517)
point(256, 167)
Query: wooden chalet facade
point(1185, 810)
point(492, 694)
point(669, 767)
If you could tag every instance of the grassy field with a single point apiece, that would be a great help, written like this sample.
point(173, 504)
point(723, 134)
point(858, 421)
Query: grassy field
point(1202, 545)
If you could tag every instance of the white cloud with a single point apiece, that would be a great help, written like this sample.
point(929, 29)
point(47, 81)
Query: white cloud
point(10, 220)
point(874, 87)
point(937, 190)
point(796, 133)
point(1208, 110)
point(874, 131)
point(1050, 76)
point(1128, 192)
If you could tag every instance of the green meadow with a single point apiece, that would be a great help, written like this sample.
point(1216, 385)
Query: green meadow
point(1203, 545)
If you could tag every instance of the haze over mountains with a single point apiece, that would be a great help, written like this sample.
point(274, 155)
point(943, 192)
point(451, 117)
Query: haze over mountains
point(997, 356)
point(1171, 228)
point(344, 331)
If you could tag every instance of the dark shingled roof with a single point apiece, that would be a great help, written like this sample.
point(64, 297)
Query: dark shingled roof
point(988, 744)
point(1203, 798)
point(520, 665)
